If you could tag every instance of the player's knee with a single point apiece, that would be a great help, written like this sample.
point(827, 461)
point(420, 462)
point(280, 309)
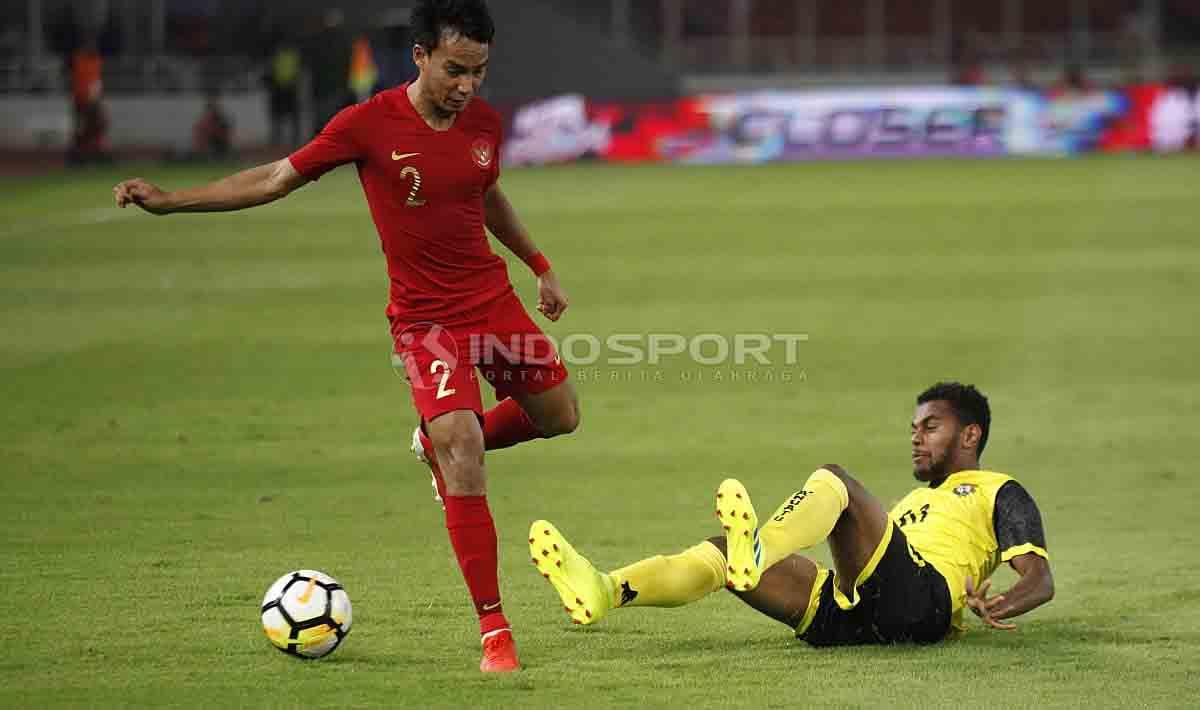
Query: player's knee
point(837, 471)
point(565, 421)
point(842, 475)
point(460, 455)
point(460, 447)
point(570, 419)
point(852, 484)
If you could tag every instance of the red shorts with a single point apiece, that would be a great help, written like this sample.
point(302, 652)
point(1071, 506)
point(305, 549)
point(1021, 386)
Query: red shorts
point(443, 363)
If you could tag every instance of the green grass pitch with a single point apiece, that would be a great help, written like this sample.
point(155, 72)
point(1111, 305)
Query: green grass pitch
point(194, 405)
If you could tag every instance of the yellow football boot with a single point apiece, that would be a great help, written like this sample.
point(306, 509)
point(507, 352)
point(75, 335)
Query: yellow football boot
point(743, 551)
point(586, 594)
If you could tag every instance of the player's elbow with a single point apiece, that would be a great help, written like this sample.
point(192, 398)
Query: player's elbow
point(1045, 582)
point(281, 181)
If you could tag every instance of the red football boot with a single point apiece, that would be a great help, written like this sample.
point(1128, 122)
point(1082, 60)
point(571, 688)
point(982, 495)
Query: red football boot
point(499, 653)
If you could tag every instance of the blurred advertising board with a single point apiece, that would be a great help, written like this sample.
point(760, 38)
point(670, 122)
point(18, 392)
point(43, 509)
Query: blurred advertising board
point(570, 127)
point(1173, 119)
point(765, 126)
point(859, 123)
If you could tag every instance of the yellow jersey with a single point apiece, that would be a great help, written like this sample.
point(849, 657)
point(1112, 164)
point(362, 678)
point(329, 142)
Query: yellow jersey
point(955, 527)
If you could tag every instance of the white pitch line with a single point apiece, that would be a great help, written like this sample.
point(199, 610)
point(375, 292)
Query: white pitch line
point(83, 218)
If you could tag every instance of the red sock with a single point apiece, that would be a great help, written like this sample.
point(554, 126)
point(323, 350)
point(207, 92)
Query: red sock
point(473, 537)
point(506, 425)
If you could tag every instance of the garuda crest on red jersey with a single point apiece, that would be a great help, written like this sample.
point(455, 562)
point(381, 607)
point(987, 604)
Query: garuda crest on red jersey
point(483, 152)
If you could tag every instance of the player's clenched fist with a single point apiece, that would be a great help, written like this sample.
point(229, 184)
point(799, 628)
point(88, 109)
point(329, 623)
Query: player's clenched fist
point(552, 300)
point(141, 193)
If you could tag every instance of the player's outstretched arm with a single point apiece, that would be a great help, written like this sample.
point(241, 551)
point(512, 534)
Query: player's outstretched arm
point(1033, 589)
point(502, 221)
point(249, 188)
point(1021, 537)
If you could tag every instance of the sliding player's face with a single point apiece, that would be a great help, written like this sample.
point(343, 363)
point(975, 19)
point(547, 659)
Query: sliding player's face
point(452, 73)
point(936, 434)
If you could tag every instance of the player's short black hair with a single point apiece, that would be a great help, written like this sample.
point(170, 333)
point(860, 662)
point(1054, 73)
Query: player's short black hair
point(468, 18)
point(968, 403)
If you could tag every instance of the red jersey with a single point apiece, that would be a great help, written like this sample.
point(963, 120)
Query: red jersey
point(425, 191)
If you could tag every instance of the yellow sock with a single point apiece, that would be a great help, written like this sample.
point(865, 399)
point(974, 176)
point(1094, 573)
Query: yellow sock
point(805, 519)
point(670, 581)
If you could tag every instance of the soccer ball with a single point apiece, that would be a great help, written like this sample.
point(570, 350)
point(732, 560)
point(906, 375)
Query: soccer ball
point(306, 614)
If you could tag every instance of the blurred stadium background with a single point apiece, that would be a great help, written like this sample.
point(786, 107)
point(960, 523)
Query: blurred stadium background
point(99, 79)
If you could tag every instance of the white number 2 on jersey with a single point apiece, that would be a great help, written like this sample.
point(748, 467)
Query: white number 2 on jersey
point(441, 366)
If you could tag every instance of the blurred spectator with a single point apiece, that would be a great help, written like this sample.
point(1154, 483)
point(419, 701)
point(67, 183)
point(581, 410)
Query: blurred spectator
point(89, 138)
point(212, 135)
point(87, 70)
point(363, 72)
point(284, 88)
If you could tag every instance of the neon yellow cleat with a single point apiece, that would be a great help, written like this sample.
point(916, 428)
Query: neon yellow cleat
point(743, 551)
point(586, 593)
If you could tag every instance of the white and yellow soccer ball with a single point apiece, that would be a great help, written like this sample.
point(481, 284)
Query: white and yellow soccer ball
point(306, 614)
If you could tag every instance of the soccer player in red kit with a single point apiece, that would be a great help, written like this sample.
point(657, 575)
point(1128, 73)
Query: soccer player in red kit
point(428, 157)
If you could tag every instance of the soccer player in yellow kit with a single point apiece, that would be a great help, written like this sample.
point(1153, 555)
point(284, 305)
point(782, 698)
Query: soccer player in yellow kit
point(903, 576)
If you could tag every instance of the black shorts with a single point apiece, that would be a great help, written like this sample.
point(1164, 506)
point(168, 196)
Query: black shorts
point(903, 600)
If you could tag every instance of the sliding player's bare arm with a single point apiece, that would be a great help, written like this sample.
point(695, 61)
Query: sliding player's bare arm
point(1034, 588)
point(249, 188)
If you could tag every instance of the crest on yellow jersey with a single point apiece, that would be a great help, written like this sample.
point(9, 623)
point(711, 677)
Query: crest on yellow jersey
point(964, 489)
